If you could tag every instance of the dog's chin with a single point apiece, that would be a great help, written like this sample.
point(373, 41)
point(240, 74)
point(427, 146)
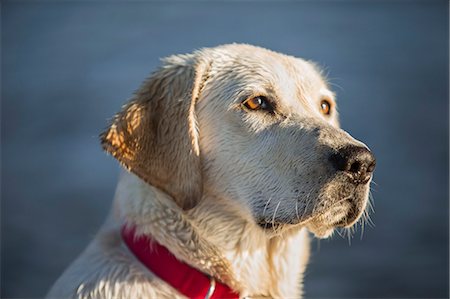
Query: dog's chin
point(321, 232)
point(344, 215)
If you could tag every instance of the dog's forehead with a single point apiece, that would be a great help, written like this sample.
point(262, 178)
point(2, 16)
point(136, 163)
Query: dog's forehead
point(296, 82)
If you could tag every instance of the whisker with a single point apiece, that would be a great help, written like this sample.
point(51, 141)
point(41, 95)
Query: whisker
point(373, 186)
point(264, 211)
point(370, 221)
point(275, 213)
point(369, 208)
point(335, 84)
point(350, 231)
point(306, 208)
point(363, 221)
point(371, 202)
point(367, 219)
point(265, 207)
point(296, 210)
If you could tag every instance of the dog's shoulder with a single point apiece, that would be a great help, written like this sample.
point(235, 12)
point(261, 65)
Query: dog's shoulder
point(106, 269)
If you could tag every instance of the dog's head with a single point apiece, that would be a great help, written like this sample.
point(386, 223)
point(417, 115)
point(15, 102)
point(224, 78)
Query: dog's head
point(251, 126)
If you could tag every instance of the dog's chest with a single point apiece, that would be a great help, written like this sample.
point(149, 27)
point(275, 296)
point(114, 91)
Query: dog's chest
point(273, 268)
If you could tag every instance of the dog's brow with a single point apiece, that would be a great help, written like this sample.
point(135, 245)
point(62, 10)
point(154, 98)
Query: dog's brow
point(327, 93)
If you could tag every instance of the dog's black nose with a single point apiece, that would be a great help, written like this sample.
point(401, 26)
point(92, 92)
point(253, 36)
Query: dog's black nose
point(357, 161)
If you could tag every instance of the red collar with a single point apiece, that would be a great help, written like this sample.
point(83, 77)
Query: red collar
point(187, 280)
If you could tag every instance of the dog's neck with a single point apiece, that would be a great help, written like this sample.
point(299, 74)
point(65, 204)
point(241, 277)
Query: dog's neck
point(216, 239)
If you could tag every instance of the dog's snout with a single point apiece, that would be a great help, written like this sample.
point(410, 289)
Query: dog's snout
point(357, 161)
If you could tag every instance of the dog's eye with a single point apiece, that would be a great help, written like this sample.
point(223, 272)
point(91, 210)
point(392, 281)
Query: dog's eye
point(325, 107)
point(257, 103)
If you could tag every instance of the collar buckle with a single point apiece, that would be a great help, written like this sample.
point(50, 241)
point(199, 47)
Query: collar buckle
point(212, 287)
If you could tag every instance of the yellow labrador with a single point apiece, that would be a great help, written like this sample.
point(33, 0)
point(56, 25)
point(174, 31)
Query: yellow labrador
point(233, 154)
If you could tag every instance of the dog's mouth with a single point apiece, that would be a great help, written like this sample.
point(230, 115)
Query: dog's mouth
point(267, 225)
point(343, 220)
point(343, 213)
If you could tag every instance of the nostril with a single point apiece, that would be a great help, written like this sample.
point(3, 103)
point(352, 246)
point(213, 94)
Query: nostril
point(355, 167)
point(339, 162)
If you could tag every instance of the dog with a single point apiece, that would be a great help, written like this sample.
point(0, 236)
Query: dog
point(231, 155)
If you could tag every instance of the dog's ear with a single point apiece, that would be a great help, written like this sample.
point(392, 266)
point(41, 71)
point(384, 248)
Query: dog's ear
point(155, 135)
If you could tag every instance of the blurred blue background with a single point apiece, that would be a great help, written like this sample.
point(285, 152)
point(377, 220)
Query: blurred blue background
point(67, 67)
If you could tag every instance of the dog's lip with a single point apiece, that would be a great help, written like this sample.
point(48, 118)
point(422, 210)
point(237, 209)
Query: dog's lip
point(268, 225)
point(342, 223)
point(350, 218)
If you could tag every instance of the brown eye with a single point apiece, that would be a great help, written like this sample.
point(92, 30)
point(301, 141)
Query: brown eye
point(257, 103)
point(325, 107)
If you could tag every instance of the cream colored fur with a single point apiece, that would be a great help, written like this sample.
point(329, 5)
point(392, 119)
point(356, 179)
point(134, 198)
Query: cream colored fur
point(204, 172)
